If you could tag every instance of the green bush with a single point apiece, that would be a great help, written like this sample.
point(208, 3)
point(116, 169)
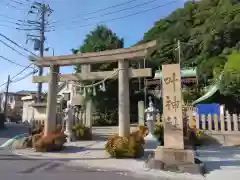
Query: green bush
point(230, 79)
point(82, 132)
point(126, 147)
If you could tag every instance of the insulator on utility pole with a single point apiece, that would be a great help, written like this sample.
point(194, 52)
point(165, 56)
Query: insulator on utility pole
point(37, 44)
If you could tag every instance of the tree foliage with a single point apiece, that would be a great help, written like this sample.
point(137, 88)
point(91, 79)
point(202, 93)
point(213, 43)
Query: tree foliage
point(230, 81)
point(206, 28)
point(100, 39)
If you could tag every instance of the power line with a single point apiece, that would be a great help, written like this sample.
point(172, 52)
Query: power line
point(103, 9)
point(4, 25)
point(11, 61)
point(8, 17)
point(16, 22)
point(109, 20)
point(24, 77)
point(20, 72)
point(13, 49)
point(114, 12)
point(121, 17)
point(15, 5)
point(21, 47)
point(18, 2)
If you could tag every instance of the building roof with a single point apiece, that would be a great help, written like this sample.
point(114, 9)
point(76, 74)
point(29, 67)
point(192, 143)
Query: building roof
point(185, 73)
point(22, 93)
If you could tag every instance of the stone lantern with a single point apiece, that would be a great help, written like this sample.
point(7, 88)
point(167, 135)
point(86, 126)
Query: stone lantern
point(151, 142)
point(69, 113)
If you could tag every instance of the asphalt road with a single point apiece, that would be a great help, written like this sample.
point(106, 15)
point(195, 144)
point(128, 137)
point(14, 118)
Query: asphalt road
point(12, 166)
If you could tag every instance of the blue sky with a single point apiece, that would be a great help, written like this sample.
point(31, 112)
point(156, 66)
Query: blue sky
point(69, 35)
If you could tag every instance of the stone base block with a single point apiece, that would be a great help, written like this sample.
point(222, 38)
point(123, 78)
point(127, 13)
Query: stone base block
point(175, 156)
point(175, 160)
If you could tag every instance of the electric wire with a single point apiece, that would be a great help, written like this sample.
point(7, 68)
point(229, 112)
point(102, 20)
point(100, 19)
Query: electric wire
point(118, 18)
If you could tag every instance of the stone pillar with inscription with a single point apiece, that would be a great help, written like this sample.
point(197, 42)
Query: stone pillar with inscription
point(174, 150)
point(172, 107)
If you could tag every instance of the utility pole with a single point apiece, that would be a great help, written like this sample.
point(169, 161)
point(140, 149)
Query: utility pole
point(41, 49)
point(42, 10)
point(6, 97)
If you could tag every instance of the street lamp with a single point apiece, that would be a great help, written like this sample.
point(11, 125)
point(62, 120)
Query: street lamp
point(47, 49)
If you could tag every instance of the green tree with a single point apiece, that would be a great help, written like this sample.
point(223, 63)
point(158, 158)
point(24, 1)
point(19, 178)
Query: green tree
point(100, 39)
point(230, 81)
point(212, 67)
point(206, 28)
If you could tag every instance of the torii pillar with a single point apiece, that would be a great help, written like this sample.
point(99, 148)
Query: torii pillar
point(123, 98)
point(50, 121)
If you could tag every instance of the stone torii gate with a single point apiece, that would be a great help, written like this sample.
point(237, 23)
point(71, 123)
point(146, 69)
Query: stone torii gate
point(122, 56)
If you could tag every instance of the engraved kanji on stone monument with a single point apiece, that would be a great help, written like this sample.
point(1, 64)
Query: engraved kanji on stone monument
point(173, 152)
point(173, 121)
point(171, 80)
point(172, 106)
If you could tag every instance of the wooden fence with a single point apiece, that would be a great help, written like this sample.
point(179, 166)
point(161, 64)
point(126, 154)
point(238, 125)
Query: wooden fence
point(223, 123)
point(212, 123)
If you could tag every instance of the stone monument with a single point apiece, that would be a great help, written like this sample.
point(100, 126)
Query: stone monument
point(174, 152)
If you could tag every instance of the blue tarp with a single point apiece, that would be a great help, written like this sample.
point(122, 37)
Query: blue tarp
point(208, 109)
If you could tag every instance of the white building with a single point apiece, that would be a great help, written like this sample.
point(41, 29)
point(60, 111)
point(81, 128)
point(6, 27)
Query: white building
point(37, 111)
point(14, 102)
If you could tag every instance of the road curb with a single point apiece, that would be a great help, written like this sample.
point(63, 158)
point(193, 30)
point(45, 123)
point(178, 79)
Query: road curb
point(33, 157)
point(165, 175)
point(10, 142)
point(143, 173)
point(132, 172)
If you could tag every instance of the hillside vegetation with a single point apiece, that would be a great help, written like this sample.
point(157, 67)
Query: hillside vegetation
point(208, 31)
